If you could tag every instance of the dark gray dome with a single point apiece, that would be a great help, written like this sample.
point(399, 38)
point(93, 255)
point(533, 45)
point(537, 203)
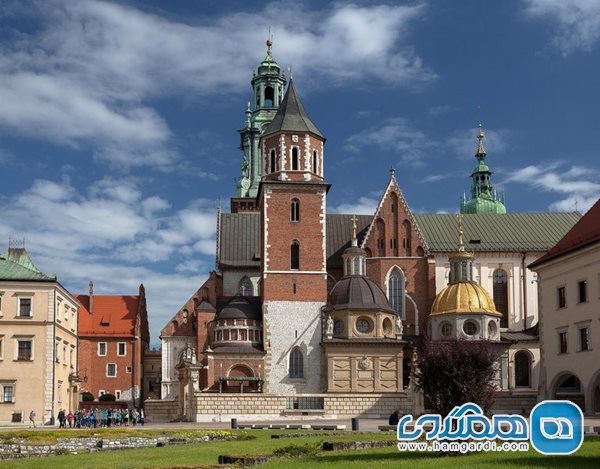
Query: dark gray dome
point(239, 308)
point(358, 292)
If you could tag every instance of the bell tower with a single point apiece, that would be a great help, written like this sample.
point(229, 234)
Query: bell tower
point(292, 201)
point(268, 84)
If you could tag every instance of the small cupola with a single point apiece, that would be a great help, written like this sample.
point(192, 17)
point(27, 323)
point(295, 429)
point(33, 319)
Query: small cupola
point(355, 258)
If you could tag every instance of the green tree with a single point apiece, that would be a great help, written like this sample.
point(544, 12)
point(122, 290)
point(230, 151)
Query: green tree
point(108, 397)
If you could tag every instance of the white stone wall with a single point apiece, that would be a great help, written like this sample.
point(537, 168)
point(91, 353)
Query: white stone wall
point(520, 317)
point(171, 348)
point(231, 281)
point(289, 324)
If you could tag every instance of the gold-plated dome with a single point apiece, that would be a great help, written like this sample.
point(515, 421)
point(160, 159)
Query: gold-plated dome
point(465, 298)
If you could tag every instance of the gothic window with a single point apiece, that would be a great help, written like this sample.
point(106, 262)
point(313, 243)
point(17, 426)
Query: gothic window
point(295, 210)
point(272, 161)
point(396, 291)
point(500, 290)
point(245, 287)
point(522, 370)
point(314, 165)
point(295, 159)
point(295, 255)
point(269, 96)
point(380, 230)
point(296, 364)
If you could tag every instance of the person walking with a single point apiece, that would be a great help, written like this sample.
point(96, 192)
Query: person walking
point(32, 419)
point(70, 419)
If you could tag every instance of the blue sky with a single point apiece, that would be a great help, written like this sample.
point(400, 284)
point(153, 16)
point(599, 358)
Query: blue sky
point(118, 120)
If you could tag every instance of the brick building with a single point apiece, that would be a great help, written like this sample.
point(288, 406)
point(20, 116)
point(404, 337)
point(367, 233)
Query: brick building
point(113, 338)
point(314, 312)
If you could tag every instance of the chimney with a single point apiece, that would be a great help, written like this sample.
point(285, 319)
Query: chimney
point(91, 293)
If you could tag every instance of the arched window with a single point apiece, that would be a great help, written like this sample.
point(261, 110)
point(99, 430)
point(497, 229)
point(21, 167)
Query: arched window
point(522, 370)
point(396, 291)
point(269, 96)
point(295, 210)
point(296, 364)
point(500, 290)
point(295, 159)
point(295, 255)
point(314, 165)
point(272, 161)
point(380, 236)
point(245, 287)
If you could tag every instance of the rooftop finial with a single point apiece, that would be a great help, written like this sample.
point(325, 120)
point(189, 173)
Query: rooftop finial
point(461, 246)
point(392, 170)
point(353, 226)
point(480, 149)
point(290, 71)
point(269, 42)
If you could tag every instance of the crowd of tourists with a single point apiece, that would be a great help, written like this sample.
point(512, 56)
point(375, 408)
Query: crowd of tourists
point(95, 418)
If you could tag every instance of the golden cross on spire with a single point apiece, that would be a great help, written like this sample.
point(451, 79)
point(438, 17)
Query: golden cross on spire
point(353, 226)
point(269, 42)
point(461, 246)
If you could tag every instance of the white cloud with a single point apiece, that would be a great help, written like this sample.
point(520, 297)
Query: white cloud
point(395, 135)
point(577, 185)
point(464, 142)
point(578, 22)
point(115, 235)
point(363, 206)
point(88, 70)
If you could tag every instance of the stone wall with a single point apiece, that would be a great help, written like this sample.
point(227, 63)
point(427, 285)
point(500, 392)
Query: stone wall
point(209, 407)
point(511, 402)
point(161, 410)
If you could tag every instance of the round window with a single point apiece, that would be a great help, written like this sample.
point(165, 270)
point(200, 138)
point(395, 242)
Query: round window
point(364, 325)
point(338, 327)
point(470, 328)
point(387, 326)
point(446, 329)
point(492, 329)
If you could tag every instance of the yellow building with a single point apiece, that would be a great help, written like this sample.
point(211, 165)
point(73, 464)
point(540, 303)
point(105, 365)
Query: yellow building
point(38, 342)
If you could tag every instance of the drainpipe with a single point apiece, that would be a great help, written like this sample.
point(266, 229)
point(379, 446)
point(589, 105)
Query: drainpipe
point(524, 275)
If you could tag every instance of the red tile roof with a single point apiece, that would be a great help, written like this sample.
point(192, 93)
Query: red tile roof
point(585, 232)
point(111, 315)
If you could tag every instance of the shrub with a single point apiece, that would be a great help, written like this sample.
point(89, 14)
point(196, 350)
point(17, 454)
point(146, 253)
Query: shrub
point(296, 451)
point(107, 397)
point(87, 396)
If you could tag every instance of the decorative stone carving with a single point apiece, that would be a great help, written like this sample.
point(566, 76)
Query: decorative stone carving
point(364, 364)
point(329, 331)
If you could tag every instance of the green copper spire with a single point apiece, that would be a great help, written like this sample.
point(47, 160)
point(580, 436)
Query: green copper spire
point(483, 196)
point(268, 84)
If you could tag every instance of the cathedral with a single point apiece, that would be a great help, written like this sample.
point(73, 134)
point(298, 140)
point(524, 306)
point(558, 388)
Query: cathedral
point(314, 314)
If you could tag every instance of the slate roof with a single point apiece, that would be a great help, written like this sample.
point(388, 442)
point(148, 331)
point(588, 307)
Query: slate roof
point(512, 232)
point(358, 292)
point(585, 232)
point(291, 116)
point(15, 264)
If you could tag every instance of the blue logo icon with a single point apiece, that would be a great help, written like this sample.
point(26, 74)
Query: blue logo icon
point(556, 427)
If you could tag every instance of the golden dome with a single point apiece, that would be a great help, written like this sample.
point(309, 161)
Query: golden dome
point(465, 298)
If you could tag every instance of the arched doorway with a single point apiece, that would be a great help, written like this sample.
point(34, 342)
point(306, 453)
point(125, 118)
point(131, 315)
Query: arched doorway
point(522, 369)
point(236, 381)
point(594, 393)
point(567, 386)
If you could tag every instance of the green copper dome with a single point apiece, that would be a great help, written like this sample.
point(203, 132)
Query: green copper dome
point(484, 198)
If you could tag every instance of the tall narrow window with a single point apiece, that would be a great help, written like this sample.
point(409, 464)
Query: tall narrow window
point(314, 165)
point(582, 289)
point(245, 287)
point(296, 364)
point(295, 255)
point(24, 307)
point(584, 339)
point(563, 342)
point(269, 96)
point(295, 159)
point(396, 291)
point(500, 289)
point(295, 210)
point(522, 370)
point(562, 297)
point(272, 161)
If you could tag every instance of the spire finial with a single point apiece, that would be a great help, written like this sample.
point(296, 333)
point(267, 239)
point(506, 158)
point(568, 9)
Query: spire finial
point(269, 42)
point(480, 154)
point(392, 170)
point(461, 246)
point(289, 71)
point(354, 240)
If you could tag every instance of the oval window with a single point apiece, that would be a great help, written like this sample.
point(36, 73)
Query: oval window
point(470, 328)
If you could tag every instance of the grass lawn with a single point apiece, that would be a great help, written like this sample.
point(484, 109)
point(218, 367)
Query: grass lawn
point(207, 453)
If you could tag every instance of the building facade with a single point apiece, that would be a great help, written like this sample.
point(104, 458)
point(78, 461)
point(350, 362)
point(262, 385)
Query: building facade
point(569, 296)
point(317, 312)
point(38, 342)
point(113, 339)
